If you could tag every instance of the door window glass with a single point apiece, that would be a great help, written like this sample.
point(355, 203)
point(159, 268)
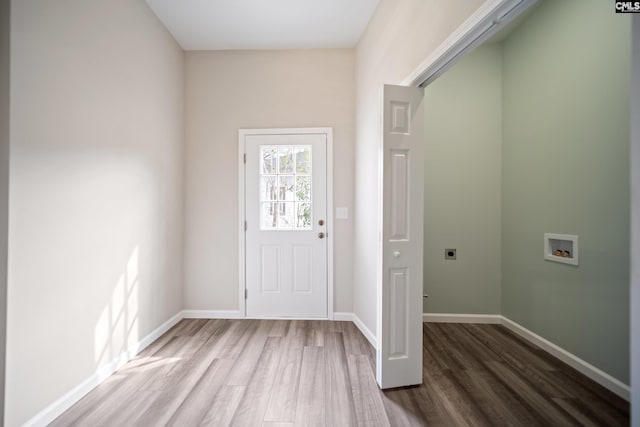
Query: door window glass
point(285, 187)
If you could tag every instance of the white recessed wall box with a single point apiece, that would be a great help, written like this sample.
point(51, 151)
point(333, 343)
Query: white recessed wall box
point(561, 248)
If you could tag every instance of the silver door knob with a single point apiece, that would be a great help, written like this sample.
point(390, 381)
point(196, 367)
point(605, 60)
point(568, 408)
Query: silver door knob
point(396, 254)
point(321, 235)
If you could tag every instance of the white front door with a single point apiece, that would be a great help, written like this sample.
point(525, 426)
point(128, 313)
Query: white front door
point(286, 225)
point(399, 353)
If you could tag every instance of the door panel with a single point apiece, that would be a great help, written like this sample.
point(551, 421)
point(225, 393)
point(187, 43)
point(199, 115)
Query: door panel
point(302, 268)
point(399, 197)
point(399, 353)
point(286, 210)
point(270, 268)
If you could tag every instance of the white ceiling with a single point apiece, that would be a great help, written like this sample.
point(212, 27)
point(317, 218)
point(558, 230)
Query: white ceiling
point(264, 24)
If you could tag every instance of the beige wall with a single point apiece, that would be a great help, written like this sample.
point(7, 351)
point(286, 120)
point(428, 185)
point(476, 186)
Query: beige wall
point(4, 184)
point(231, 90)
point(96, 181)
point(400, 35)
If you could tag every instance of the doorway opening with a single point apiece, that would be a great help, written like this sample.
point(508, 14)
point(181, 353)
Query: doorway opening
point(286, 226)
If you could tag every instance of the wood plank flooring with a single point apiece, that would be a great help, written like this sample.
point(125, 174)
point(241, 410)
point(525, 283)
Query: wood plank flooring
point(321, 373)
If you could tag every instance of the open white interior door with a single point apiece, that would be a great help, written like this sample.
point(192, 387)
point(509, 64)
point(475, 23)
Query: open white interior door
point(399, 354)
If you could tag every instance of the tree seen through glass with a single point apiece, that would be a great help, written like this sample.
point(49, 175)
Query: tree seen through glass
point(285, 187)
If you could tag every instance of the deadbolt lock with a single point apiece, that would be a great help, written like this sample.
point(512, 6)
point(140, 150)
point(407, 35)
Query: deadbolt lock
point(321, 222)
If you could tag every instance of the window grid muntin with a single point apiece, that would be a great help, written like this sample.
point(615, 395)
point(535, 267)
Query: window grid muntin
point(285, 187)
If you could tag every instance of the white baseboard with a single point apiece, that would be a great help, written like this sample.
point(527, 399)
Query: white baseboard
point(54, 410)
point(343, 317)
point(279, 318)
point(599, 376)
point(373, 340)
point(351, 317)
point(461, 318)
point(157, 333)
point(211, 314)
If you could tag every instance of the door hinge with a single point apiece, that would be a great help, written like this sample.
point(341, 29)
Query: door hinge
point(244, 158)
point(245, 226)
point(245, 294)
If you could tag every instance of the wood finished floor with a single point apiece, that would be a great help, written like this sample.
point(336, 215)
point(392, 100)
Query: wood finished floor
point(321, 373)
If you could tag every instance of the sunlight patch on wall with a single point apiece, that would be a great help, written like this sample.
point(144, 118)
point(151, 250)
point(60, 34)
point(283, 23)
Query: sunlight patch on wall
point(117, 329)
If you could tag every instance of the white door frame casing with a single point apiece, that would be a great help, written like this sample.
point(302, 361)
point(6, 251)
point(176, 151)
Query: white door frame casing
point(488, 20)
point(242, 134)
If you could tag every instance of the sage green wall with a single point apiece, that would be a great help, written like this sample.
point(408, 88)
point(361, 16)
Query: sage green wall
point(462, 186)
point(566, 83)
point(635, 225)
